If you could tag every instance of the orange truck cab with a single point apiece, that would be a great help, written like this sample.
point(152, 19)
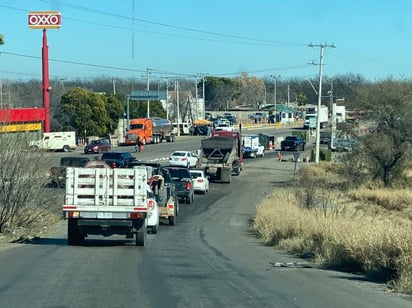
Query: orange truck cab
point(149, 130)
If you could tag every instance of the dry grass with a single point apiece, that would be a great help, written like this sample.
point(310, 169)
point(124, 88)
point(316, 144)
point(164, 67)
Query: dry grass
point(362, 230)
point(390, 199)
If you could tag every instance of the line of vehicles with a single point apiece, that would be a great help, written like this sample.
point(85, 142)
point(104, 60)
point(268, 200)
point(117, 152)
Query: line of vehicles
point(126, 196)
point(123, 195)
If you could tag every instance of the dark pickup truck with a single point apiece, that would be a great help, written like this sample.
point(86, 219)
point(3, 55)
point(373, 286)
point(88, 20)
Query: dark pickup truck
point(183, 183)
point(57, 175)
point(118, 159)
point(293, 143)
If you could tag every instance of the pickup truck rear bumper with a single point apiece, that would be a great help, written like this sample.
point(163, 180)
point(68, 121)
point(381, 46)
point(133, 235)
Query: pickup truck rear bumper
point(108, 227)
point(105, 223)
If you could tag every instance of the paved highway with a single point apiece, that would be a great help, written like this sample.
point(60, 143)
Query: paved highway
point(209, 259)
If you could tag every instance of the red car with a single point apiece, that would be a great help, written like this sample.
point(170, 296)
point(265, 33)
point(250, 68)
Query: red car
point(98, 146)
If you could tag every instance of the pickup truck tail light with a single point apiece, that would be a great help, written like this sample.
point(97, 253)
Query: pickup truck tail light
point(135, 215)
point(188, 185)
point(151, 204)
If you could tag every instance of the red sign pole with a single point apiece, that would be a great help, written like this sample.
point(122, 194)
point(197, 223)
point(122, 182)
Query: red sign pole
point(44, 20)
point(46, 83)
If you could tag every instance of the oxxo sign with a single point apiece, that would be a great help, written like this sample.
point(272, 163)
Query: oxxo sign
point(44, 20)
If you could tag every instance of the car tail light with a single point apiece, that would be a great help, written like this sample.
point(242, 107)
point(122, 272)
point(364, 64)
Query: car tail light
point(200, 180)
point(170, 206)
point(188, 185)
point(184, 158)
point(151, 203)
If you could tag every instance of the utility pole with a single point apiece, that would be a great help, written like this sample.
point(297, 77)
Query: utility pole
point(167, 98)
point(114, 86)
point(317, 147)
point(197, 100)
point(275, 77)
point(204, 99)
point(288, 95)
point(148, 72)
point(178, 108)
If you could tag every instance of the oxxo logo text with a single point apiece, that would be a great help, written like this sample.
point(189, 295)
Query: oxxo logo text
point(49, 19)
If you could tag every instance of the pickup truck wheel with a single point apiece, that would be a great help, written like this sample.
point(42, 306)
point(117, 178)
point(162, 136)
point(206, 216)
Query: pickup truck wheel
point(172, 221)
point(229, 178)
point(141, 236)
point(155, 229)
point(74, 237)
point(190, 199)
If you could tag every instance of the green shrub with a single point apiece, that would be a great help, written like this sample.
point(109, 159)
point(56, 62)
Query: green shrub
point(324, 155)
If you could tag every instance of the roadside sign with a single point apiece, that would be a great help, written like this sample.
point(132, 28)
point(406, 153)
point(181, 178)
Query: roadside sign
point(312, 122)
point(296, 156)
point(44, 20)
point(152, 95)
point(295, 159)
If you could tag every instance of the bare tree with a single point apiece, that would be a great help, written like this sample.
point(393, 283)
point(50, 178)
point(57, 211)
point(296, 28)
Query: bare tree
point(25, 202)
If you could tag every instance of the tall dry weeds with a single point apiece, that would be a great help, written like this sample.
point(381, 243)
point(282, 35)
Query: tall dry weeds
point(349, 239)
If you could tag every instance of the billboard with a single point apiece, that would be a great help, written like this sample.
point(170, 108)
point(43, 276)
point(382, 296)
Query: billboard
point(44, 20)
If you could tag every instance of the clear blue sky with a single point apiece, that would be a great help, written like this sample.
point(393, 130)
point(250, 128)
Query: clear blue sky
point(213, 37)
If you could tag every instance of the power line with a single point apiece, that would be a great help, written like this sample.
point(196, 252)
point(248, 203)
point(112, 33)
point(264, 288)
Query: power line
point(232, 36)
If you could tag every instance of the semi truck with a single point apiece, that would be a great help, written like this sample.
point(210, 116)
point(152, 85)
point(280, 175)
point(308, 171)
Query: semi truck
point(221, 156)
point(55, 141)
point(149, 130)
point(104, 201)
point(311, 117)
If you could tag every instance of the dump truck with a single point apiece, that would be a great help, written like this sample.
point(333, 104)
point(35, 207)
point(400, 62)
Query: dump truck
point(102, 201)
point(149, 130)
point(221, 156)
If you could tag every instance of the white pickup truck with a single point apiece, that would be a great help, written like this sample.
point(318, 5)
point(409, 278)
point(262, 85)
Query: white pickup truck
point(102, 201)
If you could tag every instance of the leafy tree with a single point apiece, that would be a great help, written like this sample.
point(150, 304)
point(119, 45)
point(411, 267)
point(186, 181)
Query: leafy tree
point(385, 152)
point(301, 99)
point(138, 109)
point(115, 110)
point(86, 112)
point(219, 93)
point(1, 39)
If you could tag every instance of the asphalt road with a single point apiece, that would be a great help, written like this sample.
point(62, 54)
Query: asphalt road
point(209, 259)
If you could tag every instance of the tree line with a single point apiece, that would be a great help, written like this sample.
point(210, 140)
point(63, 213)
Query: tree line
point(90, 107)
